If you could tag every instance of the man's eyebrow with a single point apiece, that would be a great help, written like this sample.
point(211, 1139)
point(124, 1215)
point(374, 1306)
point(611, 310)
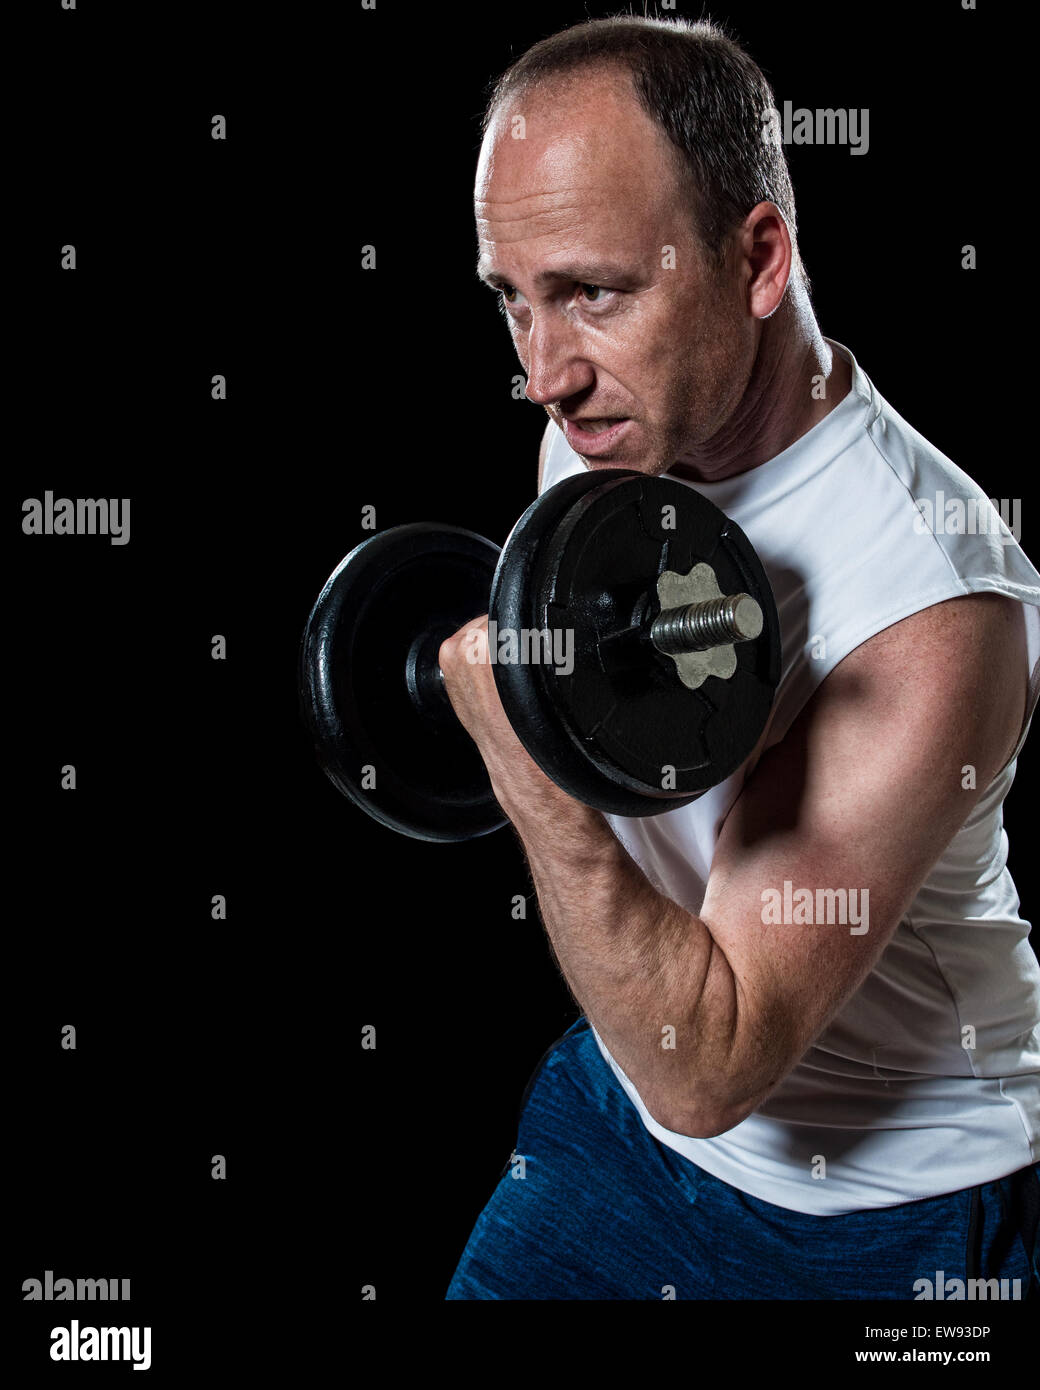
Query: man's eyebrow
point(588, 273)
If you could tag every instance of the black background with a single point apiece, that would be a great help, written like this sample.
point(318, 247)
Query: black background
point(346, 388)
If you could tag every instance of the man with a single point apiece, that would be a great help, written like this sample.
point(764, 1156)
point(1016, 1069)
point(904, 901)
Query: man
point(758, 1102)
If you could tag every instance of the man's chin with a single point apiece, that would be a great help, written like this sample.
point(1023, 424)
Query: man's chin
point(636, 463)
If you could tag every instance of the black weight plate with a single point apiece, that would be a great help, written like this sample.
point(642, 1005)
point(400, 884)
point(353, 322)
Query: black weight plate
point(397, 594)
point(586, 557)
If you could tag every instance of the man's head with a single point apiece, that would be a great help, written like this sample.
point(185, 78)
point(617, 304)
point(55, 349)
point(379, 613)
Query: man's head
point(639, 228)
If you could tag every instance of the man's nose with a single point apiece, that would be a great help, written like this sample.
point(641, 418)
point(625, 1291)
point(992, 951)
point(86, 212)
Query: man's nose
point(555, 367)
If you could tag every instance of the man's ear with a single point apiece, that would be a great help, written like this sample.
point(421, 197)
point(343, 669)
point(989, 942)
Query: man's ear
point(765, 245)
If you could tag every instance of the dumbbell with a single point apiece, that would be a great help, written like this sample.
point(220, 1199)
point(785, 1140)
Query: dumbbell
point(635, 647)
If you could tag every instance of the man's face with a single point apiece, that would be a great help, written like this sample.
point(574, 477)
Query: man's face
point(638, 349)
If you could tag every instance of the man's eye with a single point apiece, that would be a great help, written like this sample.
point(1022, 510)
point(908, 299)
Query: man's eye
point(509, 294)
point(591, 292)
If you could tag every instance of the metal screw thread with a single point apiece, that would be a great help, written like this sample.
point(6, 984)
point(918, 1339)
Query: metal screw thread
point(714, 622)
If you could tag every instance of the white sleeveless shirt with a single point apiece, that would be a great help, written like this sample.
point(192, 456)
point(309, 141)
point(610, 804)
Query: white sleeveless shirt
point(898, 1095)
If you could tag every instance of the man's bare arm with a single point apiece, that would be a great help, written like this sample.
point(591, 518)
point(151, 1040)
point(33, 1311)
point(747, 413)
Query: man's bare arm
point(864, 793)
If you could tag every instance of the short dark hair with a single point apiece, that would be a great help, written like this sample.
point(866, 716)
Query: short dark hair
point(709, 97)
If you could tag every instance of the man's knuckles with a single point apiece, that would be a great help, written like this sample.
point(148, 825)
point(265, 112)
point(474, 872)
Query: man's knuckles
point(467, 647)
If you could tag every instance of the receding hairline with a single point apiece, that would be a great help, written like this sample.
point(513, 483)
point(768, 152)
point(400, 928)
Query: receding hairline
point(621, 78)
point(612, 67)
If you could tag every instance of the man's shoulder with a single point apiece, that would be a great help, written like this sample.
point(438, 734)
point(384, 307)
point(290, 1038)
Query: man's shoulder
point(961, 661)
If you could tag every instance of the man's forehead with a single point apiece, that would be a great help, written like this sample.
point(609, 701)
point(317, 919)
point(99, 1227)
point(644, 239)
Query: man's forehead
point(566, 192)
point(542, 211)
point(548, 226)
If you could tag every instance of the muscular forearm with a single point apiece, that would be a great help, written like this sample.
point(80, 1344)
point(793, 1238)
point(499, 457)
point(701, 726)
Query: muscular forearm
point(646, 973)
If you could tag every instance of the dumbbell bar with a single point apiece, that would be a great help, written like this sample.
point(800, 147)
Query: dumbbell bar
point(664, 701)
point(690, 627)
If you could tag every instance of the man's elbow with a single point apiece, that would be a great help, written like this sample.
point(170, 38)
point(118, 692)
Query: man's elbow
point(733, 1082)
point(704, 1122)
point(718, 1108)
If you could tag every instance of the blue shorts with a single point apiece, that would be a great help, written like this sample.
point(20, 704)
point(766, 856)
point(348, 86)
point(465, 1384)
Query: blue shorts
point(604, 1210)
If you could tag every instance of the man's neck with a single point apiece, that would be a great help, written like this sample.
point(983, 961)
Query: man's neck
point(796, 381)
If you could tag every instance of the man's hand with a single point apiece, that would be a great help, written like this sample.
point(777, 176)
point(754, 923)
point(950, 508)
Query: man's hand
point(518, 782)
